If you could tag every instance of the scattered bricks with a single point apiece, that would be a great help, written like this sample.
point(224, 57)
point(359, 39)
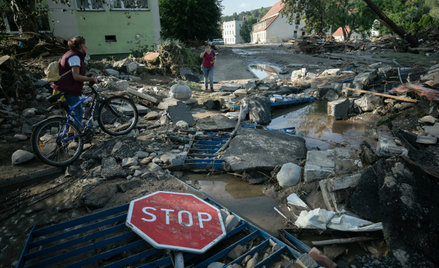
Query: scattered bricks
point(321, 259)
point(338, 108)
point(305, 261)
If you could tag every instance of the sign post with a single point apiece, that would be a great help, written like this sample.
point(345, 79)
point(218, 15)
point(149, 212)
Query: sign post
point(176, 221)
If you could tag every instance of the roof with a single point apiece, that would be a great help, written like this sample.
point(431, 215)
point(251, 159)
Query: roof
point(339, 31)
point(273, 10)
point(268, 23)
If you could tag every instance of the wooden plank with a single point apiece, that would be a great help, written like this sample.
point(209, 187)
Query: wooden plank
point(142, 95)
point(382, 95)
point(4, 58)
point(343, 240)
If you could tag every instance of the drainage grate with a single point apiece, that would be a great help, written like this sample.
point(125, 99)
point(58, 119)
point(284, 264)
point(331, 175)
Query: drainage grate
point(203, 151)
point(102, 239)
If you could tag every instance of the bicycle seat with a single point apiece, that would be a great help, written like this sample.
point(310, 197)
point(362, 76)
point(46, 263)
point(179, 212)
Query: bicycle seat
point(55, 97)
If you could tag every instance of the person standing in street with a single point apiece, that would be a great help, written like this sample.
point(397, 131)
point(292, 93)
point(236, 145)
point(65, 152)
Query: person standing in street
point(209, 58)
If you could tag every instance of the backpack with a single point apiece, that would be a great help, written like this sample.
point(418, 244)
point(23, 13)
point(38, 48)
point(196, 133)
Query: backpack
point(52, 72)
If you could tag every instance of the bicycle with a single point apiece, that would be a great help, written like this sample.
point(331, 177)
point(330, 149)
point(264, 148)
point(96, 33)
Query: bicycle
point(59, 140)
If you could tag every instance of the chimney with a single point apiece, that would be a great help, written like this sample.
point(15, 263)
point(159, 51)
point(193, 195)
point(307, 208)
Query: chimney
point(233, 19)
point(243, 18)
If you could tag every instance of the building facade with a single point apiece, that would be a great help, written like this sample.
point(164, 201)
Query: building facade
point(109, 26)
point(273, 28)
point(338, 35)
point(231, 32)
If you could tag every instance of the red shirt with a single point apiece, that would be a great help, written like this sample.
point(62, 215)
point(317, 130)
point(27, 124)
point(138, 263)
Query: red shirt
point(208, 58)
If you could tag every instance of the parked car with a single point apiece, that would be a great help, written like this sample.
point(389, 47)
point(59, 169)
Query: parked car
point(218, 41)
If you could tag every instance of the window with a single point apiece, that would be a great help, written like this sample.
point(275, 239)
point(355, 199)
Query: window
point(110, 38)
point(129, 4)
point(90, 5)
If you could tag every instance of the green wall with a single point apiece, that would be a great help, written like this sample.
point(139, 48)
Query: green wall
point(125, 25)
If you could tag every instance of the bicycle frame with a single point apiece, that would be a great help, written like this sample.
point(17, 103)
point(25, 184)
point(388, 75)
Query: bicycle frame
point(75, 119)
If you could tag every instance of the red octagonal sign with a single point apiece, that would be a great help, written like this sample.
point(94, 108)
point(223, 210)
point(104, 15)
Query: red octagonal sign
point(176, 221)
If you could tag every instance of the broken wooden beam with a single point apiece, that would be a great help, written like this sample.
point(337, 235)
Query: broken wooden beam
point(382, 95)
point(142, 95)
point(343, 240)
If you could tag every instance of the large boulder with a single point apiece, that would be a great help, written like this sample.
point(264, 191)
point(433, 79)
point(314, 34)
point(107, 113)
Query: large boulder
point(21, 156)
point(403, 197)
point(289, 175)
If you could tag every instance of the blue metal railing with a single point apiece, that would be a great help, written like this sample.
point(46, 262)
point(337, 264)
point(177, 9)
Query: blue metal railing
point(103, 239)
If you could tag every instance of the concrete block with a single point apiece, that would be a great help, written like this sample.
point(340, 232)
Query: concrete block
point(305, 261)
point(338, 108)
point(387, 145)
point(432, 130)
point(336, 184)
point(319, 164)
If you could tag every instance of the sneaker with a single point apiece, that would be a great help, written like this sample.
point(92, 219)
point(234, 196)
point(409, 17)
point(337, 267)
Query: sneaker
point(211, 89)
point(206, 88)
point(88, 135)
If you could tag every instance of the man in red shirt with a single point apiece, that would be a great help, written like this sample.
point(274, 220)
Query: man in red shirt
point(208, 65)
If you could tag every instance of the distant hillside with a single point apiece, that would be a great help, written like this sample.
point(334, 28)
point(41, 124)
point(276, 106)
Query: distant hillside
point(256, 13)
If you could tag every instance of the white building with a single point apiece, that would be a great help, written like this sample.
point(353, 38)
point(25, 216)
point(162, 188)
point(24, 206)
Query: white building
point(231, 32)
point(275, 28)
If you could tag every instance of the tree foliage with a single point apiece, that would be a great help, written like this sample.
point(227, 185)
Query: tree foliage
point(320, 15)
point(246, 29)
point(190, 20)
point(255, 13)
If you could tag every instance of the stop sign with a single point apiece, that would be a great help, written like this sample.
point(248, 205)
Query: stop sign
point(176, 221)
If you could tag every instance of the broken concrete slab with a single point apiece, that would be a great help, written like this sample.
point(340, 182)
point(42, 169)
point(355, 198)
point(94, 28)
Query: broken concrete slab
point(257, 149)
point(387, 145)
point(333, 200)
point(319, 164)
point(120, 148)
point(230, 87)
point(180, 112)
point(259, 110)
point(368, 102)
point(402, 197)
point(339, 108)
point(216, 123)
point(426, 140)
point(432, 130)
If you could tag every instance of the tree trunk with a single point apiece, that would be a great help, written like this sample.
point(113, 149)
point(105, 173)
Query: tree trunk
point(25, 15)
point(391, 25)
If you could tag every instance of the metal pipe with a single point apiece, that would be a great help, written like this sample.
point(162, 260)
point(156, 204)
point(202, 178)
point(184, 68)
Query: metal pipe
point(178, 259)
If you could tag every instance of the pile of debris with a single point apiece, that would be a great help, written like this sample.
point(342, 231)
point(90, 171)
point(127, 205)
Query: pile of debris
point(314, 44)
point(170, 57)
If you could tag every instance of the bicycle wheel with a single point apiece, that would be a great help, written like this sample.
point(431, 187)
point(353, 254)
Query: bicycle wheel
point(51, 147)
point(117, 115)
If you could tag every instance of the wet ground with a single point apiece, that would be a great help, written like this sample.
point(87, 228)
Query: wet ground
point(247, 201)
point(319, 130)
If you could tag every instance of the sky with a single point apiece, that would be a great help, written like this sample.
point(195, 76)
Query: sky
point(231, 6)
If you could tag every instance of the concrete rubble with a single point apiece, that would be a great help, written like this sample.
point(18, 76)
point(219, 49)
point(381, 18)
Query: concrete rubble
point(395, 186)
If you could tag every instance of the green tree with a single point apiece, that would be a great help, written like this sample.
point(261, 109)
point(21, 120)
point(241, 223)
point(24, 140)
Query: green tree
point(246, 29)
point(190, 20)
point(24, 13)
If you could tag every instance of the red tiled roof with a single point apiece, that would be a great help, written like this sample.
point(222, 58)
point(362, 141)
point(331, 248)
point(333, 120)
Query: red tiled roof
point(268, 23)
point(339, 31)
point(273, 10)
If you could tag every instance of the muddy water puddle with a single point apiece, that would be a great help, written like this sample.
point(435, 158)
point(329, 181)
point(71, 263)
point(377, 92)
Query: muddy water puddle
point(247, 201)
point(319, 130)
point(262, 70)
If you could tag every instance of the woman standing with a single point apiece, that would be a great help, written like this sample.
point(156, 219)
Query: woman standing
point(71, 83)
point(208, 65)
